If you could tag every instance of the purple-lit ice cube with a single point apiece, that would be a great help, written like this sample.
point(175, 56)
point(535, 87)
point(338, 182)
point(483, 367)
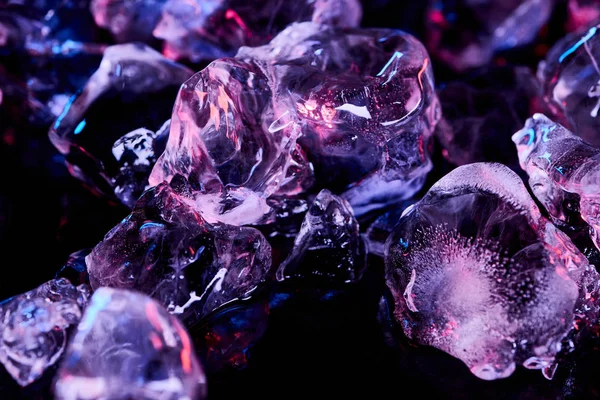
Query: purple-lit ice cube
point(33, 327)
point(476, 271)
point(165, 249)
point(359, 102)
point(208, 29)
point(128, 347)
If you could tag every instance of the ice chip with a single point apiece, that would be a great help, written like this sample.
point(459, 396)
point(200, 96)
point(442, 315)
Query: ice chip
point(137, 152)
point(328, 245)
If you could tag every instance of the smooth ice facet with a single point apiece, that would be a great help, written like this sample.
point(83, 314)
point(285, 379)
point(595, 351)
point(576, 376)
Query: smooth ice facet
point(208, 29)
point(379, 230)
point(571, 83)
point(165, 249)
point(33, 327)
point(226, 141)
point(476, 271)
point(564, 171)
point(128, 347)
point(225, 340)
point(74, 269)
point(328, 245)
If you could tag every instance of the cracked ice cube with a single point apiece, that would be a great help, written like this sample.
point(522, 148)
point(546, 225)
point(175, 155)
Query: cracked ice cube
point(165, 249)
point(128, 347)
point(33, 327)
point(328, 244)
point(476, 271)
point(564, 171)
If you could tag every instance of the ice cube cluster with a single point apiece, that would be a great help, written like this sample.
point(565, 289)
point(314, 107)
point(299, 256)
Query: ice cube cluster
point(271, 157)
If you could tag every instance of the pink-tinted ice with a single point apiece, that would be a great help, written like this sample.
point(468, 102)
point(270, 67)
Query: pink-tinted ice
point(476, 271)
point(358, 103)
point(128, 346)
point(165, 249)
point(570, 77)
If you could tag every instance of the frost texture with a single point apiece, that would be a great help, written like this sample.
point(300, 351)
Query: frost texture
point(571, 83)
point(33, 327)
point(476, 271)
point(564, 171)
point(328, 244)
point(128, 70)
point(167, 250)
point(128, 347)
point(466, 33)
point(136, 153)
point(360, 102)
point(201, 29)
